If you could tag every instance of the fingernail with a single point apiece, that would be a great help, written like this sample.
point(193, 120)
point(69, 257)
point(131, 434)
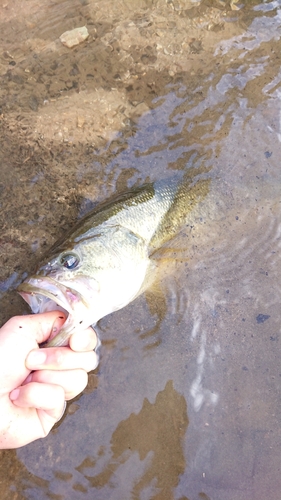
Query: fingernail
point(36, 358)
point(14, 394)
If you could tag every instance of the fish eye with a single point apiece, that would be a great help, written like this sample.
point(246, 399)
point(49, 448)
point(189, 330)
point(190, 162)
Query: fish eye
point(70, 260)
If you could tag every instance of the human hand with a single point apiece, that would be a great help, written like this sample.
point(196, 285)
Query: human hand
point(35, 383)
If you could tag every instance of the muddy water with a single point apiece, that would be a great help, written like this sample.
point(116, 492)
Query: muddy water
point(186, 401)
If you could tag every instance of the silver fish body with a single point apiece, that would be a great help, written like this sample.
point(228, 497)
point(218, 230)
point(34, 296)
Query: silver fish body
point(105, 261)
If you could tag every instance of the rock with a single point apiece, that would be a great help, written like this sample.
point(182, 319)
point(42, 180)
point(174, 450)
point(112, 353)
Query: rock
point(80, 121)
point(74, 37)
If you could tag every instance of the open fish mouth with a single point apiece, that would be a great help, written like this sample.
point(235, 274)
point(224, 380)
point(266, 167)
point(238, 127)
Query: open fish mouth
point(46, 294)
point(38, 292)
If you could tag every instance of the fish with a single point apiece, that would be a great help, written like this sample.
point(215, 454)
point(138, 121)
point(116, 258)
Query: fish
point(107, 259)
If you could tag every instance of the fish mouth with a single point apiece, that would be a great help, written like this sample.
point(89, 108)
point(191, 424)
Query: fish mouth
point(45, 294)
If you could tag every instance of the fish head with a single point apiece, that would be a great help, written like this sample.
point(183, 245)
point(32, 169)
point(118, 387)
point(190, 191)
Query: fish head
point(61, 284)
point(88, 280)
point(101, 265)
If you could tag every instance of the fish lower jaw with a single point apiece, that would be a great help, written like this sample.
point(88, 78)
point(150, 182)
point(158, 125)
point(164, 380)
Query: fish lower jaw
point(59, 340)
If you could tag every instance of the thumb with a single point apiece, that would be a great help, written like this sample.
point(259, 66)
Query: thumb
point(37, 327)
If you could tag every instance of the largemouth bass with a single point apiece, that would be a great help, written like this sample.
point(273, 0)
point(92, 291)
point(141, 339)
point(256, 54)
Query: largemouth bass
point(105, 261)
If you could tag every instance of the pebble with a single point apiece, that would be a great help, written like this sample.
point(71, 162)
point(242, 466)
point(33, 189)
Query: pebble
point(74, 37)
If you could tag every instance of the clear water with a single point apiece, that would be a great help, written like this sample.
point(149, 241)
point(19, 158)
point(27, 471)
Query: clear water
point(186, 401)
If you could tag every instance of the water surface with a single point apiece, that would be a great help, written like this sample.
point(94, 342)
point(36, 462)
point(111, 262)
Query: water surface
point(185, 403)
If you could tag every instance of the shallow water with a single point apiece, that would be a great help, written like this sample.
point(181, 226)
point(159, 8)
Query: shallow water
point(185, 403)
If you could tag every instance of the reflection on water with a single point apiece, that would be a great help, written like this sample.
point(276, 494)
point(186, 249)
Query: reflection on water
point(156, 435)
point(185, 404)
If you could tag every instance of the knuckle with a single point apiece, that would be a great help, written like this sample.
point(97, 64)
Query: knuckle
point(58, 357)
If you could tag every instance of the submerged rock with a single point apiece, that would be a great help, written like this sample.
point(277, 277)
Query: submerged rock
point(74, 37)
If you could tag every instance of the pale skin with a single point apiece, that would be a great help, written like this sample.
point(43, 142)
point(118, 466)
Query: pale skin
point(35, 383)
